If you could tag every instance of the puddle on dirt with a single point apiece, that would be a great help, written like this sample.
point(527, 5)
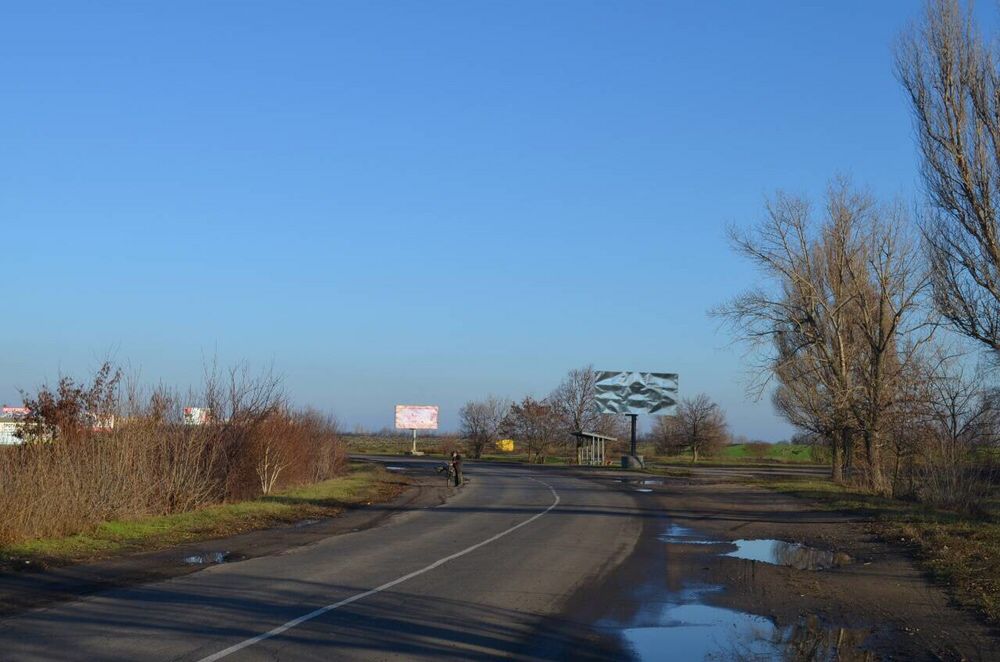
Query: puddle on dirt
point(679, 535)
point(643, 489)
point(306, 522)
point(775, 552)
point(794, 555)
point(683, 627)
point(396, 468)
point(213, 558)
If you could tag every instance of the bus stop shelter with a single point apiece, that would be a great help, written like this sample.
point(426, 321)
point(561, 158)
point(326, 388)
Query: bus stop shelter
point(590, 448)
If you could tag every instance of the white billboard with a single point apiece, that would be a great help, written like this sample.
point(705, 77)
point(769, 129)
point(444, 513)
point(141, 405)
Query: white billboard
point(416, 417)
point(197, 415)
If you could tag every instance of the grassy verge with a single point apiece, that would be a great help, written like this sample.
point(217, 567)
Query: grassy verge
point(742, 453)
point(962, 552)
point(362, 484)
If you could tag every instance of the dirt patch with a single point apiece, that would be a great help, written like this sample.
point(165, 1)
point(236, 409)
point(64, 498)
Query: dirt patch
point(868, 602)
point(35, 585)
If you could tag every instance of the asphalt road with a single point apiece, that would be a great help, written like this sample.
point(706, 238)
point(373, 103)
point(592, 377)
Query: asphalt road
point(486, 574)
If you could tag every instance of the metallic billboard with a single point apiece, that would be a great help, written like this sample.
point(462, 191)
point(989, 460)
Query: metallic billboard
point(623, 392)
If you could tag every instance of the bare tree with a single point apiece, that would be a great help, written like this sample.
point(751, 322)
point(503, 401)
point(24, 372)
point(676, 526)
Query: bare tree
point(536, 425)
point(481, 422)
point(953, 83)
point(575, 402)
point(698, 425)
point(575, 399)
point(801, 326)
point(73, 409)
point(840, 321)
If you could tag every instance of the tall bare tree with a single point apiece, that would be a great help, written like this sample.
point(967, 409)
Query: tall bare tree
point(951, 76)
point(800, 325)
point(839, 319)
point(575, 399)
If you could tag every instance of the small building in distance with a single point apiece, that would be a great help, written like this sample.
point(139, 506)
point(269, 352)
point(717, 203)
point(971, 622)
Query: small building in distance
point(10, 420)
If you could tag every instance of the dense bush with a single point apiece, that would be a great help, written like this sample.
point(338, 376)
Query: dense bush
point(68, 476)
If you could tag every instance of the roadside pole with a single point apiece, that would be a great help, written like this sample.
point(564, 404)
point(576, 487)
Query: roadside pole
point(632, 445)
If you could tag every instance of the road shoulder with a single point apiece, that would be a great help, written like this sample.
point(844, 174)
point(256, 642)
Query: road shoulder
point(34, 588)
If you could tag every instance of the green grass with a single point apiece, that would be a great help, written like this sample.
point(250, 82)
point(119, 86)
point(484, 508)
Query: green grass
point(739, 454)
point(959, 551)
point(363, 483)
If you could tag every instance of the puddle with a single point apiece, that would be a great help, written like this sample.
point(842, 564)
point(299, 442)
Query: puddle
point(643, 489)
point(639, 481)
point(687, 629)
point(306, 522)
point(683, 627)
point(794, 555)
point(679, 535)
point(396, 468)
point(213, 558)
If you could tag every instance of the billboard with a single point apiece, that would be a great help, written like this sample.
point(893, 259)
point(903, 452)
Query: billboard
point(416, 417)
point(623, 392)
point(197, 415)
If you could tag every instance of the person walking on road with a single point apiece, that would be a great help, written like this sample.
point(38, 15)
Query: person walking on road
point(456, 465)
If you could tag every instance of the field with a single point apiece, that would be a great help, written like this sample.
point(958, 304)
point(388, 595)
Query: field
point(435, 446)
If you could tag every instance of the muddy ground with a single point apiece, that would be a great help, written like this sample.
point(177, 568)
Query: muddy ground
point(866, 600)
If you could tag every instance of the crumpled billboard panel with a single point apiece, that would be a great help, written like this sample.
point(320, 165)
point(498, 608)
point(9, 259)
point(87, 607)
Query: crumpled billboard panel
point(416, 417)
point(624, 392)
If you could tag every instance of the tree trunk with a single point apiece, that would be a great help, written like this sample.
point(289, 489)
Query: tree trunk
point(837, 460)
point(847, 438)
point(874, 454)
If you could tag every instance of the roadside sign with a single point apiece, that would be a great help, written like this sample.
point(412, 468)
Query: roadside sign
point(417, 417)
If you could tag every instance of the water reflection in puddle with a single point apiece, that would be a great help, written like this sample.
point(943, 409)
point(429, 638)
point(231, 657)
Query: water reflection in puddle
point(683, 627)
point(686, 629)
point(396, 468)
point(779, 552)
point(643, 489)
point(639, 481)
point(679, 535)
point(213, 558)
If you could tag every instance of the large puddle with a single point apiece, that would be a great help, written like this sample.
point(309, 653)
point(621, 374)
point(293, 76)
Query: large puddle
point(779, 552)
point(684, 627)
point(775, 552)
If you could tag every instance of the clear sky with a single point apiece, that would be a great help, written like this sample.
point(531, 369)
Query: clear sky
point(418, 201)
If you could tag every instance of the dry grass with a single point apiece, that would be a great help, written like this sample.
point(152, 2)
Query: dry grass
point(69, 477)
point(361, 484)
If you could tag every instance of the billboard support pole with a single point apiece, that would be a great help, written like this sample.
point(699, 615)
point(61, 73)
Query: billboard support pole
point(414, 441)
point(632, 448)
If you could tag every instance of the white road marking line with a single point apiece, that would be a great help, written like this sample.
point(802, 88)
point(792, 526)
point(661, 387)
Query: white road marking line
point(360, 596)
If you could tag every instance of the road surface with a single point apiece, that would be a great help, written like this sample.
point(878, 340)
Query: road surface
point(489, 573)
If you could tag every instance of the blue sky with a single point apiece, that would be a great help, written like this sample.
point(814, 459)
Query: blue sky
point(418, 202)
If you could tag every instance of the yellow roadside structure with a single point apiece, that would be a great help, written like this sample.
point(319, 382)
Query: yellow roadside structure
point(505, 445)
